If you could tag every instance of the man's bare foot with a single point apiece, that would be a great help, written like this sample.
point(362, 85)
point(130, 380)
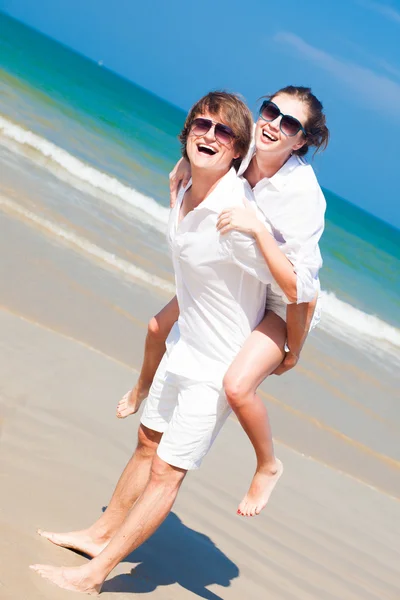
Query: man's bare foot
point(76, 540)
point(130, 403)
point(260, 490)
point(74, 579)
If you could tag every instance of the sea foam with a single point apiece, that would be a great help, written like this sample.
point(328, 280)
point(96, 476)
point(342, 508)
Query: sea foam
point(358, 328)
point(86, 247)
point(85, 173)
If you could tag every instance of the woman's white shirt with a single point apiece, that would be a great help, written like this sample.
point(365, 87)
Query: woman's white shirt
point(220, 285)
point(294, 205)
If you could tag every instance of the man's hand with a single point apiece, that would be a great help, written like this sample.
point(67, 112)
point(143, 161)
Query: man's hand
point(180, 175)
point(289, 362)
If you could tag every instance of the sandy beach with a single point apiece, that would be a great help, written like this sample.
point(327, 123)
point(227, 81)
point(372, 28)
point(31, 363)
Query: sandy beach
point(71, 344)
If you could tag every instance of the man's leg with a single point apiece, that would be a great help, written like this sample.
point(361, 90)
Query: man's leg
point(194, 413)
point(157, 332)
point(130, 486)
point(146, 516)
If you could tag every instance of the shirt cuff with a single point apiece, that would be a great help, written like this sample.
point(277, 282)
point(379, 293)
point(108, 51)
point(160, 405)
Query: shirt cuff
point(307, 287)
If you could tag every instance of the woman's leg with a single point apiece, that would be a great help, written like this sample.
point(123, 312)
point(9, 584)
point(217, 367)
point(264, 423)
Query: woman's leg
point(262, 352)
point(157, 332)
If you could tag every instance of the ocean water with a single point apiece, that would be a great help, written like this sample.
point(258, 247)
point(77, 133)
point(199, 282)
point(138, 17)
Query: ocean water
point(85, 155)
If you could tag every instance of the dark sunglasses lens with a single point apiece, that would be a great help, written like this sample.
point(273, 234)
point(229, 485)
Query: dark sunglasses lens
point(201, 126)
point(269, 111)
point(290, 125)
point(223, 133)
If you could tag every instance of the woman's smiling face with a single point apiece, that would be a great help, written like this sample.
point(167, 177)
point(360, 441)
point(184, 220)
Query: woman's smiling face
point(268, 136)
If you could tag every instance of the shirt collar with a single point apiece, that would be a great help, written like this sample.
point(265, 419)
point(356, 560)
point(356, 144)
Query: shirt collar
point(280, 179)
point(216, 201)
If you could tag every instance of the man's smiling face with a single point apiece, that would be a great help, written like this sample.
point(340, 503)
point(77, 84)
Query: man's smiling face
point(206, 151)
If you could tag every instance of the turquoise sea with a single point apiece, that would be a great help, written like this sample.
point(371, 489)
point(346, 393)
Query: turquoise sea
point(85, 155)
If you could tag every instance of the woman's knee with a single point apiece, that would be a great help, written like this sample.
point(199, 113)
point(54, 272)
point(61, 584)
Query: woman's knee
point(238, 391)
point(161, 324)
point(154, 329)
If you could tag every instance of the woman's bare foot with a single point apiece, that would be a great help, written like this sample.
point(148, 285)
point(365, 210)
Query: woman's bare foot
point(130, 403)
point(74, 579)
point(260, 490)
point(82, 541)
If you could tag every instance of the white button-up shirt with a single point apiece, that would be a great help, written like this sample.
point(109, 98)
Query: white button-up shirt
point(294, 205)
point(220, 285)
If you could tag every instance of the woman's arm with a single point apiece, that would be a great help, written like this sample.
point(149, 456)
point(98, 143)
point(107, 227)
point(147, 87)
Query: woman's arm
point(281, 268)
point(179, 176)
point(245, 219)
point(298, 321)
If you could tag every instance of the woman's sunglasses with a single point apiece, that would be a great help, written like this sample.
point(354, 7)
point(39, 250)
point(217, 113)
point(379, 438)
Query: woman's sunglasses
point(289, 125)
point(223, 133)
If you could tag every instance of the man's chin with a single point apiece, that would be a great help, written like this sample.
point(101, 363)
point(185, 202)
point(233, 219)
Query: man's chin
point(203, 165)
point(211, 169)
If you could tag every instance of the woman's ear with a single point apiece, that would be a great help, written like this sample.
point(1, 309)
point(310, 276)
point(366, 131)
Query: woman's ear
point(300, 144)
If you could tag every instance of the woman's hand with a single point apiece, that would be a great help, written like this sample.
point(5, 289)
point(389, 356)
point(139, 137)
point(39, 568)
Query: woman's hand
point(180, 175)
point(240, 218)
point(289, 362)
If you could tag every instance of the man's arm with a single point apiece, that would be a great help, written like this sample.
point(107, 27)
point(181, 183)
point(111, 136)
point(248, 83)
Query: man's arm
point(298, 321)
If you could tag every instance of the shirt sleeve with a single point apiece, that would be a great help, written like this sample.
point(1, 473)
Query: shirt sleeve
point(302, 229)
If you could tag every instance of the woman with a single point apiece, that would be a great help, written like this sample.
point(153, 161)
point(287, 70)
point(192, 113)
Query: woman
point(286, 190)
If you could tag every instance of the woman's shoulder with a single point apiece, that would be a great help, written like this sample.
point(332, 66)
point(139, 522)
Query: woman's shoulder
point(303, 171)
point(303, 178)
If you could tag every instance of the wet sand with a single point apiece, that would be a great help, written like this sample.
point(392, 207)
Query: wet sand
point(71, 344)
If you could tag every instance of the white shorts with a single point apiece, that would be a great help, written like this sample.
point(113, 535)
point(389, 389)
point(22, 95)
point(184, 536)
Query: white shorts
point(278, 306)
point(189, 413)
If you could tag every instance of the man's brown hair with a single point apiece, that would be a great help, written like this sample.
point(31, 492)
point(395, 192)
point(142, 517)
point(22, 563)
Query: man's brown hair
point(234, 113)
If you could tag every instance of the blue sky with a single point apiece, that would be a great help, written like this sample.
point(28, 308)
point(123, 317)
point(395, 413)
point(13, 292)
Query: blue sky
point(348, 51)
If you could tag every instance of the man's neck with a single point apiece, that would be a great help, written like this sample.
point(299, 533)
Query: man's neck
point(202, 185)
point(263, 166)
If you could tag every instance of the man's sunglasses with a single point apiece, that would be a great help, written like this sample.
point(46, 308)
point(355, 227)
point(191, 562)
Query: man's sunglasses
point(289, 126)
point(223, 133)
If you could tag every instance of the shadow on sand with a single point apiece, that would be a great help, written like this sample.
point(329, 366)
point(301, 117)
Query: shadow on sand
point(176, 554)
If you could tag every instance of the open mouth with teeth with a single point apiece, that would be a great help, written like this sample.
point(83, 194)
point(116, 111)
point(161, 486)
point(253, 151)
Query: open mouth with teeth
point(206, 149)
point(269, 137)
